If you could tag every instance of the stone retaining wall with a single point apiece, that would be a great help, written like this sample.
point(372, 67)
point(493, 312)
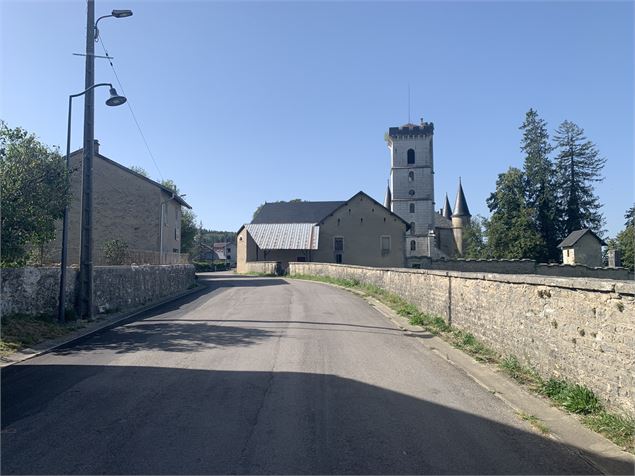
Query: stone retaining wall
point(116, 288)
point(264, 267)
point(579, 329)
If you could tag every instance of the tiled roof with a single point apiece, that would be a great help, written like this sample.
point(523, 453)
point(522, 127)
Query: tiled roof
point(574, 236)
point(295, 212)
point(284, 236)
point(441, 222)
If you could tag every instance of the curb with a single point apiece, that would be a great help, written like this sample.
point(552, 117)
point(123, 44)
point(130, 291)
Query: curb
point(24, 354)
point(564, 428)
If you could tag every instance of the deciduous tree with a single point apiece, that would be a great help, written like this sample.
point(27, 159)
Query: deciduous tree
point(35, 189)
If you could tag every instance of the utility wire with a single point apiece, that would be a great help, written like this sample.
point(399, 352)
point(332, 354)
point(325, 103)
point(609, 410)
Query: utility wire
point(123, 92)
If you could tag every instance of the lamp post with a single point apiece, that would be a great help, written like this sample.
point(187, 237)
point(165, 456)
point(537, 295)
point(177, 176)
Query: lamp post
point(113, 100)
point(86, 247)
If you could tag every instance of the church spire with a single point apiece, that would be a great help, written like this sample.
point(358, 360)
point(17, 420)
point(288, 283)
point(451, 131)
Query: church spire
point(388, 199)
point(460, 206)
point(447, 211)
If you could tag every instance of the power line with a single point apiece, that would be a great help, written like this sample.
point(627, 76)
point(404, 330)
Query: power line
point(134, 117)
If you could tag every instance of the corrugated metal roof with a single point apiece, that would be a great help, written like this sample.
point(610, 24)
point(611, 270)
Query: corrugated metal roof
point(284, 236)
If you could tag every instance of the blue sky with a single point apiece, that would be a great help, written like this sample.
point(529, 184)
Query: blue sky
point(244, 102)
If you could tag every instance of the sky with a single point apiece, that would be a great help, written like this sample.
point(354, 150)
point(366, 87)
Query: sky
point(246, 102)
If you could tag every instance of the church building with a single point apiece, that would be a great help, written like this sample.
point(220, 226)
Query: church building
point(410, 195)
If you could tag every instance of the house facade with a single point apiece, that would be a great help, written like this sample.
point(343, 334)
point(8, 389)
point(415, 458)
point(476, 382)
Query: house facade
point(358, 231)
point(128, 207)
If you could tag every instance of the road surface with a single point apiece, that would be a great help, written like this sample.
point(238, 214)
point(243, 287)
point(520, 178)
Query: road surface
point(265, 376)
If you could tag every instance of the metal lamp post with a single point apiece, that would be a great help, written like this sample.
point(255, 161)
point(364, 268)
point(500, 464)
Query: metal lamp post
point(86, 247)
point(114, 100)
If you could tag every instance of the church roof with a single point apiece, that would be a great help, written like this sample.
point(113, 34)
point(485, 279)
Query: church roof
point(388, 198)
point(441, 222)
point(295, 212)
point(460, 206)
point(447, 211)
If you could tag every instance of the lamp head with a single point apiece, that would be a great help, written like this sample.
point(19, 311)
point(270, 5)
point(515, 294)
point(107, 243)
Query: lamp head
point(121, 13)
point(115, 99)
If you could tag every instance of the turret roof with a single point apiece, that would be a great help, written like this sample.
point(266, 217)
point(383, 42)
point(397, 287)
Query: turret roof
point(460, 206)
point(447, 211)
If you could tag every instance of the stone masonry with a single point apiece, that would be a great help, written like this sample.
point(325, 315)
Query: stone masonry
point(582, 330)
point(35, 290)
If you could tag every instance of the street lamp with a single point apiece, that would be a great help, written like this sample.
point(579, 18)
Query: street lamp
point(114, 14)
point(114, 100)
point(86, 246)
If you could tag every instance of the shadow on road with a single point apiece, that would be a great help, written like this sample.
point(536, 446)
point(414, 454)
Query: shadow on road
point(85, 419)
point(172, 336)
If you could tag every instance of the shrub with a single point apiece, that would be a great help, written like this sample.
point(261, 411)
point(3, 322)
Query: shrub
point(116, 252)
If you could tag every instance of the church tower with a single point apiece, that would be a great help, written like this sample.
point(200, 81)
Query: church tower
point(412, 183)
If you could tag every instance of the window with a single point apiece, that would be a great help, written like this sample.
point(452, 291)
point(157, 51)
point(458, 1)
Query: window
point(411, 192)
point(175, 234)
point(338, 258)
point(301, 259)
point(412, 208)
point(338, 243)
point(411, 156)
point(385, 244)
point(413, 245)
point(412, 228)
point(416, 266)
point(411, 176)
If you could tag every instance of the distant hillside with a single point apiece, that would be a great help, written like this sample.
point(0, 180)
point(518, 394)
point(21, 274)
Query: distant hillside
point(214, 236)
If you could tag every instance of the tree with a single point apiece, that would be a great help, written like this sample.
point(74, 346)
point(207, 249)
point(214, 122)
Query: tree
point(625, 240)
point(539, 184)
point(510, 232)
point(474, 245)
point(35, 188)
point(578, 166)
point(169, 183)
point(140, 170)
point(188, 231)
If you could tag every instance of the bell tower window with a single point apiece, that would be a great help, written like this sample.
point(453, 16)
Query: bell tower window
point(412, 208)
point(411, 176)
point(411, 156)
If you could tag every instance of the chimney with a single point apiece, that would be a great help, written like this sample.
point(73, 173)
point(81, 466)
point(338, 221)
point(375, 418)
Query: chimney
point(96, 146)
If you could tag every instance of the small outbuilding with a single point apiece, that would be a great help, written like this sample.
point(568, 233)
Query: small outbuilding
point(582, 247)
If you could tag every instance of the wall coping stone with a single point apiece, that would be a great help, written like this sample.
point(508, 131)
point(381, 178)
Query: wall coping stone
point(591, 284)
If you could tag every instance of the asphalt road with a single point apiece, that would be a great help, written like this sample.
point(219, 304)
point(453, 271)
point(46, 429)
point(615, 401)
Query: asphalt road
point(261, 375)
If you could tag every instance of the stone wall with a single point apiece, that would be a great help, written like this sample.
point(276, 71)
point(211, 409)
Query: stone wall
point(579, 329)
point(35, 290)
point(522, 266)
point(264, 267)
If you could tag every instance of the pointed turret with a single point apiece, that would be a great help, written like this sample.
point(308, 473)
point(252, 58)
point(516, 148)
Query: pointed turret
point(447, 211)
point(460, 206)
point(460, 218)
point(388, 199)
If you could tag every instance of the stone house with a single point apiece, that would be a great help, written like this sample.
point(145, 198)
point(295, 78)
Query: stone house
point(127, 206)
point(358, 231)
point(582, 247)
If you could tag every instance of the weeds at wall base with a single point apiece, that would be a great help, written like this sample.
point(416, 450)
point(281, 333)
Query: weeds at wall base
point(573, 398)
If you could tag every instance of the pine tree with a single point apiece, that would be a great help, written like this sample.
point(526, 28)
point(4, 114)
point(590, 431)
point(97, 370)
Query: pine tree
point(511, 233)
point(539, 184)
point(625, 240)
point(578, 166)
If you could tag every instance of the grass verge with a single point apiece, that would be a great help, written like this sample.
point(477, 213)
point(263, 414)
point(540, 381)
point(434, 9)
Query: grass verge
point(20, 331)
point(573, 398)
point(535, 422)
